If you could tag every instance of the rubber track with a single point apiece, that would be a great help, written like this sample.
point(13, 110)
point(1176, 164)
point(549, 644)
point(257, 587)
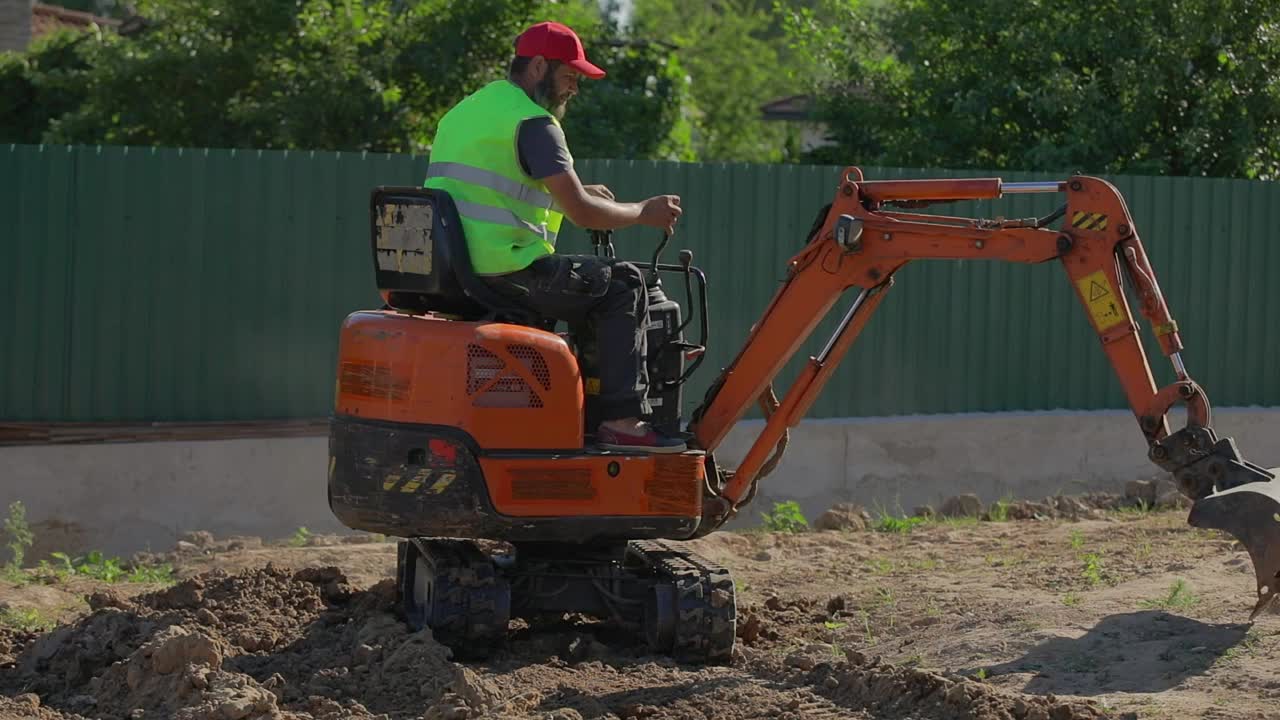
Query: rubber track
point(706, 608)
point(472, 614)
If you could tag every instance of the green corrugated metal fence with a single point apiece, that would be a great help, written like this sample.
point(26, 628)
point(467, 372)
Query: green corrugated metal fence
point(189, 285)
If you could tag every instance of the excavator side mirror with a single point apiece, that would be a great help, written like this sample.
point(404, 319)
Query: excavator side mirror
point(849, 233)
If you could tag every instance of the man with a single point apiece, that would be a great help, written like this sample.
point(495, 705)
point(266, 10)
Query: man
point(502, 156)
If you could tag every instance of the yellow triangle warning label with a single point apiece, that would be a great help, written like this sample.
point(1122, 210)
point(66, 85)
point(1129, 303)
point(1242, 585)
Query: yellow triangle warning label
point(1097, 292)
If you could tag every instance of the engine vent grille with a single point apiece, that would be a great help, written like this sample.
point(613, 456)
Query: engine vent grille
point(533, 360)
point(501, 387)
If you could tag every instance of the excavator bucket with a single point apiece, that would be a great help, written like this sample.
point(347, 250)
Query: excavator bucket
point(1251, 514)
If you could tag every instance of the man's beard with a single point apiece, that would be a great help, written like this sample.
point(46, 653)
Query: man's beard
point(544, 93)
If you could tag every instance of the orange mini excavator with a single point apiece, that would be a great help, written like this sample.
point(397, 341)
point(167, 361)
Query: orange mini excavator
point(460, 417)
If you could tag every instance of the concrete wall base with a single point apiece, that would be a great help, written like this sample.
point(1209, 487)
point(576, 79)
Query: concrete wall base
point(122, 498)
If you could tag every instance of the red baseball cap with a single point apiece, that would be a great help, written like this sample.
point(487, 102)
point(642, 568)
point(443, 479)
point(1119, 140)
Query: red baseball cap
point(554, 41)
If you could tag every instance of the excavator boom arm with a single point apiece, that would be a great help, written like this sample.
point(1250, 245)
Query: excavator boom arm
point(861, 245)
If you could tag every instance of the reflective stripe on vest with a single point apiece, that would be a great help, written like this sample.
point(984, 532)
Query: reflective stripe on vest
point(501, 216)
point(492, 180)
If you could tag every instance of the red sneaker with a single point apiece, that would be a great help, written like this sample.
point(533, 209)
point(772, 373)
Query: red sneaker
point(648, 441)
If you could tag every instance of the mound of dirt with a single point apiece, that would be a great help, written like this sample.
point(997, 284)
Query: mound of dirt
point(890, 691)
point(265, 643)
point(27, 707)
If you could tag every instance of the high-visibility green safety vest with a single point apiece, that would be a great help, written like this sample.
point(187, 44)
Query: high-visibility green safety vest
point(507, 216)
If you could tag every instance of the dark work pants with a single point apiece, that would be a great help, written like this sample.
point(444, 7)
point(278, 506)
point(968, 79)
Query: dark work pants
point(606, 295)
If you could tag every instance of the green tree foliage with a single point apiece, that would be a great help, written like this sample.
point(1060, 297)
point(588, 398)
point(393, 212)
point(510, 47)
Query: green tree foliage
point(639, 109)
point(324, 74)
point(1182, 87)
point(732, 55)
point(320, 74)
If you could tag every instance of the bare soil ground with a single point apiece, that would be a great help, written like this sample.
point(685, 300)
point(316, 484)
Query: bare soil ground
point(1109, 615)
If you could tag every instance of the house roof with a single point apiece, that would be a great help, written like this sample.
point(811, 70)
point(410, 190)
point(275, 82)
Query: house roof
point(792, 107)
point(46, 18)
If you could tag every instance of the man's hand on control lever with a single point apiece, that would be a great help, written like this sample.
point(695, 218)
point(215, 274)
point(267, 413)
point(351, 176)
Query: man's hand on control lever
point(661, 211)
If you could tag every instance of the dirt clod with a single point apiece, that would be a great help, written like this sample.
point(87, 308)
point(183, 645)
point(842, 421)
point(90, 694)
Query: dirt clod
point(960, 506)
point(844, 516)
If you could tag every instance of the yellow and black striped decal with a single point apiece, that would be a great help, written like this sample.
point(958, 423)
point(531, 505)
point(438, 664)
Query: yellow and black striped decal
point(1089, 221)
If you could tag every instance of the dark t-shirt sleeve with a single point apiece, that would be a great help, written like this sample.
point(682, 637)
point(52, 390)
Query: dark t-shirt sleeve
point(542, 148)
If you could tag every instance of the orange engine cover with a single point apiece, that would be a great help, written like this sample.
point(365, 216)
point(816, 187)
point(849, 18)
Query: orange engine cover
point(508, 386)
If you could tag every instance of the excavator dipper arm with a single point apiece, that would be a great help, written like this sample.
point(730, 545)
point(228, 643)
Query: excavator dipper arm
point(861, 245)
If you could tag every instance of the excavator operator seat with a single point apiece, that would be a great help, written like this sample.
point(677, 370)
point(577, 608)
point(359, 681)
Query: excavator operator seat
point(421, 260)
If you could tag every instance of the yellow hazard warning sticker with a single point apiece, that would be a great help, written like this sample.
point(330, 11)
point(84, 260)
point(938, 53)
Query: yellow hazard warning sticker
point(1089, 221)
point(1106, 309)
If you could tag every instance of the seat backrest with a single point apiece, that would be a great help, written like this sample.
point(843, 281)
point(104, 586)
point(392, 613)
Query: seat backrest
point(421, 260)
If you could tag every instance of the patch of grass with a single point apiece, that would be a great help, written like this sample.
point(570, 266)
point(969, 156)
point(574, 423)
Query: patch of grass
point(1178, 597)
point(98, 566)
point(999, 511)
point(924, 564)
point(1071, 599)
point(1092, 568)
point(25, 619)
point(833, 625)
point(981, 674)
point(1077, 540)
point(786, 517)
point(904, 524)
point(1142, 551)
point(866, 628)
point(18, 532)
point(881, 566)
point(1250, 642)
point(963, 521)
point(300, 537)
point(1142, 508)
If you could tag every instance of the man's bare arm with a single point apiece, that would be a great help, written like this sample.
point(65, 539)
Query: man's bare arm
point(590, 210)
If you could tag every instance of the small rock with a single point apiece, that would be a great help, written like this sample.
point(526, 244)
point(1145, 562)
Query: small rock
point(749, 630)
point(844, 516)
point(924, 511)
point(199, 538)
point(31, 700)
point(566, 714)
point(830, 683)
point(967, 505)
point(363, 654)
point(836, 604)
point(800, 661)
point(773, 603)
point(186, 548)
point(925, 621)
point(206, 617)
point(107, 598)
point(763, 556)
point(1141, 491)
point(821, 649)
point(1025, 510)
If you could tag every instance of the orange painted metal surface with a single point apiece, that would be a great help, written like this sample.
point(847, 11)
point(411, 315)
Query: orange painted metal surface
point(583, 485)
point(944, 189)
point(508, 386)
point(1096, 240)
